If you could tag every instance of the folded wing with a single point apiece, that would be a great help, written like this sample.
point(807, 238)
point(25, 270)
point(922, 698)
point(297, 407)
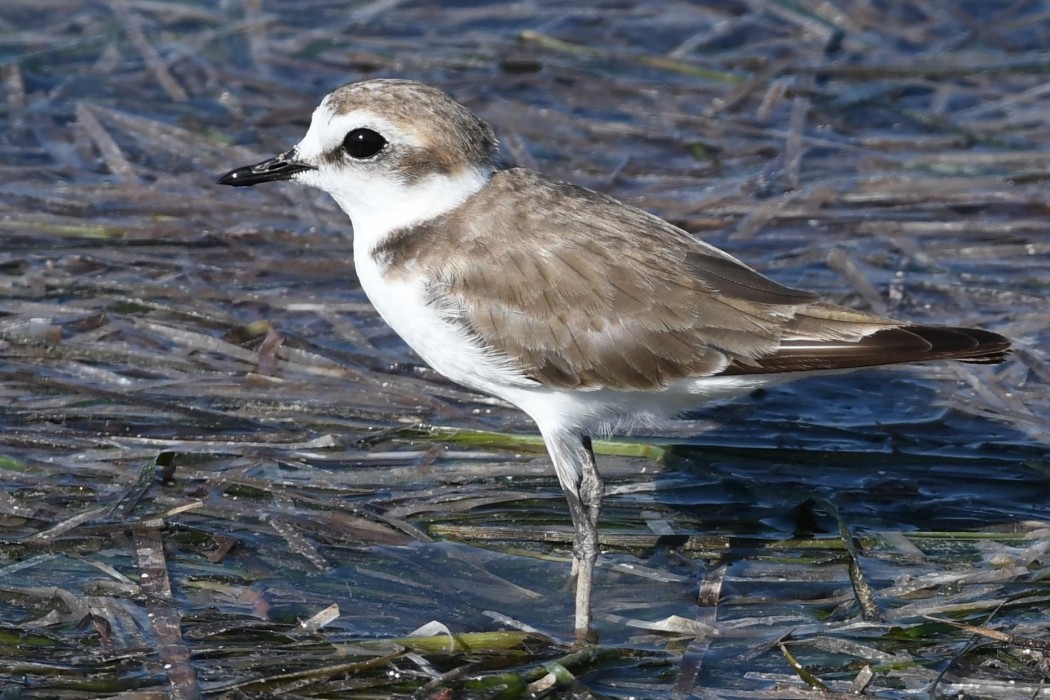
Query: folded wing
point(599, 295)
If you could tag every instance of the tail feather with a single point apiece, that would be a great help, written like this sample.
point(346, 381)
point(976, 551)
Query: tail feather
point(890, 346)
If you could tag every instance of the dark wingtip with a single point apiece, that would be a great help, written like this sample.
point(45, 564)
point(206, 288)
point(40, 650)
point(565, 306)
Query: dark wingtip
point(904, 344)
point(987, 347)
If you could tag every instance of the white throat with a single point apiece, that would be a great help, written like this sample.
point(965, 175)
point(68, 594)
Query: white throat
point(387, 205)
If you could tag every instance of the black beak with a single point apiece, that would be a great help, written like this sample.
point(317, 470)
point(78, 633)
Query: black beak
point(280, 167)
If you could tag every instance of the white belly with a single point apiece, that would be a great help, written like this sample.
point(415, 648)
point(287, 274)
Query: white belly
point(448, 348)
point(445, 346)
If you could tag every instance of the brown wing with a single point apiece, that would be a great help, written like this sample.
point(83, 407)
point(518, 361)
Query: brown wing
point(884, 347)
point(585, 292)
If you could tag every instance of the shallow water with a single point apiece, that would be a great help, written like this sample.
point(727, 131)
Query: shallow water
point(195, 388)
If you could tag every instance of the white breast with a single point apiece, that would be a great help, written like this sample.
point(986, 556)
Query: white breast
point(449, 349)
point(443, 344)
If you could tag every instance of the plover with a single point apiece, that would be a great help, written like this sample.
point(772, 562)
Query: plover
point(584, 312)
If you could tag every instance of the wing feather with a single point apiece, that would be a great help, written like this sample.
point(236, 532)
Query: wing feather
point(584, 292)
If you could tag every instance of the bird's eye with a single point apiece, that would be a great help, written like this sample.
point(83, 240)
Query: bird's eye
point(363, 143)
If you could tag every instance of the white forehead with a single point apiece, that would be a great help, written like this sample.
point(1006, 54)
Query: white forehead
point(328, 129)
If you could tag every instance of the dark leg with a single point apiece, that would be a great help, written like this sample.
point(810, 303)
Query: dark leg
point(582, 484)
point(585, 546)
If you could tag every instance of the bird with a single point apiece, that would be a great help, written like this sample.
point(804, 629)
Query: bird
point(584, 312)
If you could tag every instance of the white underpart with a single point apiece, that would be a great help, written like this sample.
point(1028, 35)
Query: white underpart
point(379, 203)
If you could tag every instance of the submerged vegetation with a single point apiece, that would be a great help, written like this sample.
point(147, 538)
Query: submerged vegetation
point(221, 475)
